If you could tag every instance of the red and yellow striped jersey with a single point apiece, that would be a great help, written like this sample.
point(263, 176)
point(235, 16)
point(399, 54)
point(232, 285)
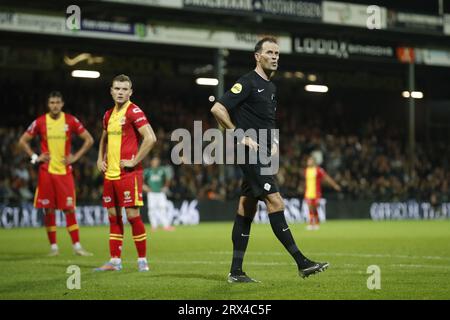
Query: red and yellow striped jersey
point(313, 177)
point(56, 139)
point(123, 137)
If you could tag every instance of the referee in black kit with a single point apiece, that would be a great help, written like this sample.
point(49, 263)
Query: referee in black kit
point(251, 104)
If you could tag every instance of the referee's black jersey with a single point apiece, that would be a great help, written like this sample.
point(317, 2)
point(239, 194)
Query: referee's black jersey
point(251, 102)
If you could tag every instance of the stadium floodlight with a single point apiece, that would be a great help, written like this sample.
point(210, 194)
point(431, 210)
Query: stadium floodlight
point(414, 94)
point(207, 81)
point(299, 74)
point(417, 94)
point(312, 77)
point(316, 88)
point(85, 74)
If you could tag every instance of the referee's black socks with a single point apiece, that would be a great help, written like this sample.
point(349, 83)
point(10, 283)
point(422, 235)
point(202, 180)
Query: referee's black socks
point(240, 236)
point(281, 230)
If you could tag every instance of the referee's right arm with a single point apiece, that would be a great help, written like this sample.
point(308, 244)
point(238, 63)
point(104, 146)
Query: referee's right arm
point(222, 116)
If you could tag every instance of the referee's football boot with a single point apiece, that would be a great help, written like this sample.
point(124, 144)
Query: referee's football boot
point(240, 278)
point(313, 268)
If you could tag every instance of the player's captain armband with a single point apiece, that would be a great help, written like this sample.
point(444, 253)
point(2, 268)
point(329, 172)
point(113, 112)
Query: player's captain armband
point(237, 88)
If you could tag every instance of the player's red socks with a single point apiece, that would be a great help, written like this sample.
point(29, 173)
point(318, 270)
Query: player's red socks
point(115, 236)
point(72, 226)
point(139, 236)
point(50, 224)
point(313, 217)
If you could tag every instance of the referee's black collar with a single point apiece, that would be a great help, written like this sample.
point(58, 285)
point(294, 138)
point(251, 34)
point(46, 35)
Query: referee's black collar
point(254, 70)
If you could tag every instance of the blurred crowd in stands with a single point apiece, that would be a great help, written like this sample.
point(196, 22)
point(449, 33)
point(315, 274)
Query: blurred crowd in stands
point(370, 163)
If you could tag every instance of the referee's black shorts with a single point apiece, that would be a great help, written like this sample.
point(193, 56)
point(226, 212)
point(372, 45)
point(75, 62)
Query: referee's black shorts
point(256, 185)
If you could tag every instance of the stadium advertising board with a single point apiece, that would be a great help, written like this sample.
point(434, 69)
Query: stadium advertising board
point(153, 3)
point(192, 212)
point(351, 14)
point(24, 22)
point(152, 33)
point(107, 26)
point(274, 8)
point(183, 212)
point(408, 210)
point(209, 38)
point(416, 22)
point(342, 49)
point(432, 57)
point(447, 24)
point(296, 211)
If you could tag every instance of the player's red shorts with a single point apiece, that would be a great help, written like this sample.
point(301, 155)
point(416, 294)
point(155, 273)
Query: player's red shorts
point(55, 191)
point(125, 192)
point(312, 202)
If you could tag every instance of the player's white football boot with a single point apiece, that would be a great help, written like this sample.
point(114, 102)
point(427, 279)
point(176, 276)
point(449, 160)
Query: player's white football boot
point(143, 266)
point(109, 266)
point(82, 252)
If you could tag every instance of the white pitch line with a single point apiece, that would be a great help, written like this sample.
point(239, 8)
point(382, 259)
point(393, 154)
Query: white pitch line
point(421, 266)
point(338, 254)
point(254, 263)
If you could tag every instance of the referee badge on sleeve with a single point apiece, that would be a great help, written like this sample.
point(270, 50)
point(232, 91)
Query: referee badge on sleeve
point(237, 88)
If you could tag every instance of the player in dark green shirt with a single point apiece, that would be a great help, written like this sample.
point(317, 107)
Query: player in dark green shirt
point(156, 182)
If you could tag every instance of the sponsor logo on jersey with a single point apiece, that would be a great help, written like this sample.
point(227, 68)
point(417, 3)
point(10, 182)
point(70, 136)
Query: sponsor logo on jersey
point(139, 119)
point(137, 110)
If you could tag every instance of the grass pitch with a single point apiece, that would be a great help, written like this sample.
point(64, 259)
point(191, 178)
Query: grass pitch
point(193, 262)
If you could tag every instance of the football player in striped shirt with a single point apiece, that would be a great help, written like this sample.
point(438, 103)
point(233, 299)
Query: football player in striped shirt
point(56, 188)
point(126, 139)
point(313, 191)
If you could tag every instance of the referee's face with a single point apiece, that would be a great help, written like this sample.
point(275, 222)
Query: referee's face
point(269, 56)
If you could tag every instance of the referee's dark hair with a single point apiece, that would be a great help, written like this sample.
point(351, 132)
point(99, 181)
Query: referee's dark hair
point(260, 43)
point(55, 94)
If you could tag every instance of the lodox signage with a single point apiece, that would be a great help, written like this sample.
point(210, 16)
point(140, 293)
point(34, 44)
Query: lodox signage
point(341, 49)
